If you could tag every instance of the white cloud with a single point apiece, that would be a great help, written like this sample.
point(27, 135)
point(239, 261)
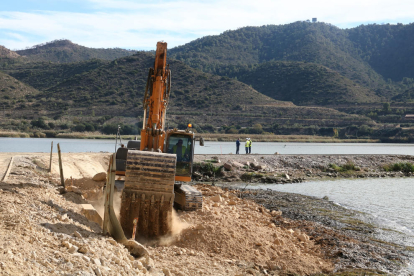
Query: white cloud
point(140, 24)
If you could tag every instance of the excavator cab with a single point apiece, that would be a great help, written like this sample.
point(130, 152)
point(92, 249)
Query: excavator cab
point(181, 144)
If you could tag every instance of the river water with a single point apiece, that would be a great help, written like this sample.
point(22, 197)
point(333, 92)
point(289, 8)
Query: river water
point(98, 145)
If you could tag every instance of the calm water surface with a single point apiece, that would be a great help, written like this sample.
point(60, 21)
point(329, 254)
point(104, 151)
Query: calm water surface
point(389, 200)
point(88, 145)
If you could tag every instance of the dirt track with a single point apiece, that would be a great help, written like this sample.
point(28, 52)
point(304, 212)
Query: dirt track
point(43, 232)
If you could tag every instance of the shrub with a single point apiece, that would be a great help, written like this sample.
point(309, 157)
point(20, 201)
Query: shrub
point(349, 166)
point(399, 167)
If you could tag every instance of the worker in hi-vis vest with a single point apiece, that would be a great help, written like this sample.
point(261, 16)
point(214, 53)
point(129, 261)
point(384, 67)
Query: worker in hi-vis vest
point(179, 149)
point(247, 145)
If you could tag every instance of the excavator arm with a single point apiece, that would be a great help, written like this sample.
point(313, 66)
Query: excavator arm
point(156, 98)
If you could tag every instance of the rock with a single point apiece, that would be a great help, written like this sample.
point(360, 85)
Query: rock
point(216, 204)
point(99, 176)
point(287, 176)
point(63, 217)
point(237, 164)
point(86, 258)
point(148, 262)
point(137, 264)
point(261, 166)
point(278, 242)
point(276, 213)
point(136, 249)
point(231, 202)
point(77, 234)
point(303, 237)
point(216, 198)
point(98, 271)
point(228, 166)
point(166, 272)
point(197, 174)
point(96, 261)
point(83, 250)
point(73, 249)
point(66, 244)
point(91, 214)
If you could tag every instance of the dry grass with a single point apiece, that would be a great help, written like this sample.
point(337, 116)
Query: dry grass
point(14, 134)
point(281, 138)
point(91, 135)
point(206, 136)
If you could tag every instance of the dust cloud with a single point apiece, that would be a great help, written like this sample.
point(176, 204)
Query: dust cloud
point(99, 205)
point(177, 226)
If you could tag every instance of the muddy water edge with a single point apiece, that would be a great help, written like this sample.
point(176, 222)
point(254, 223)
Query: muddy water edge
point(346, 236)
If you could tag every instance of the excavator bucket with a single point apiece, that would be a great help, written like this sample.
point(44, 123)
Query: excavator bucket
point(148, 194)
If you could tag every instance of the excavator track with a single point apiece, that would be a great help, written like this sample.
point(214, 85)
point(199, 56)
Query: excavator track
point(148, 194)
point(188, 198)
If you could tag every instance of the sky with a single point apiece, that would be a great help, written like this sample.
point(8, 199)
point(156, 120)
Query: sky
point(138, 25)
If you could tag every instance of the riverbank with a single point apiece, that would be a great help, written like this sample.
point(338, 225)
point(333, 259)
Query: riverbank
point(266, 168)
point(238, 232)
point(206, 136)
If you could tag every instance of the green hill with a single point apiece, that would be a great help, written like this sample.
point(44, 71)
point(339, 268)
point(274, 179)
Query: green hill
point(119, 86)
point(304, 84)
point(387, 48)
point(407, 96)
point(112, 93)
point(43, 75)
point(64, 51)
point(14, 94)
point(319, 43)
point(11, 88)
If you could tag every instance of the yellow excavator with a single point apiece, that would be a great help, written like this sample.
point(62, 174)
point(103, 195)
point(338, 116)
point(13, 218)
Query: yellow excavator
point(150, 172)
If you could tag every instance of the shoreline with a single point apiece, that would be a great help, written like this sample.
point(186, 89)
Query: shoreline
point(346, 235)
point(283, 169)
point(206, 136)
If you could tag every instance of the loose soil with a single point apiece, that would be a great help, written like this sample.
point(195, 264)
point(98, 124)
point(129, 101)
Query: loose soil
point(43, 232)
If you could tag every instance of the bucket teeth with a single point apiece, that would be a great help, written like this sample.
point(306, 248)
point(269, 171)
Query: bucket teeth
point(148, 193)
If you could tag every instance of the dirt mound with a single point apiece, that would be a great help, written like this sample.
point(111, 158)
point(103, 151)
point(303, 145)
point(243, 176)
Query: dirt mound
point(237, 231)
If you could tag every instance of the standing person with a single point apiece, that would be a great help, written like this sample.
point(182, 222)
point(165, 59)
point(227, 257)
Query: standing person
point(250, 145)
point(247, 145)
point(237, 145)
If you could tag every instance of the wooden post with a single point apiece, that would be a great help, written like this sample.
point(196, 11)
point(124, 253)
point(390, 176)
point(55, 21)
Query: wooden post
point(62, 179)
point(50, 164)
point(6, 174)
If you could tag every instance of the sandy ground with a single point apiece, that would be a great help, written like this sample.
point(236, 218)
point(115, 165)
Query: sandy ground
point(43, 232)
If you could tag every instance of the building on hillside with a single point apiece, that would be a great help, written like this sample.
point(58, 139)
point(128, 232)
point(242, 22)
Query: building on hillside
point(314, 20)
